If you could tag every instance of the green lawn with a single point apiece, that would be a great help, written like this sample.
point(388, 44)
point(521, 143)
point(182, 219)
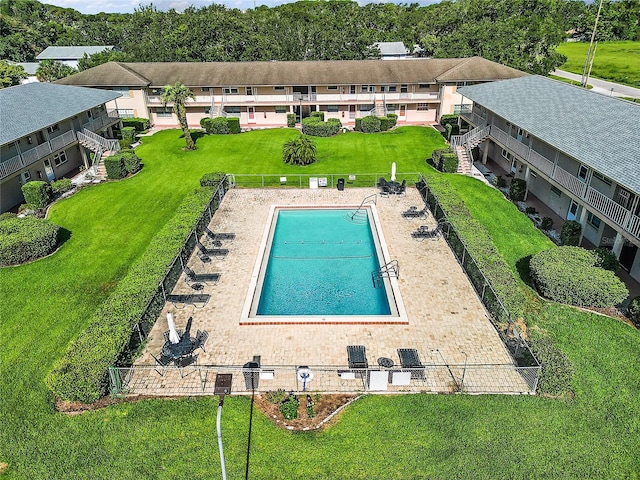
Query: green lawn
point(615, 61)
point(46, 304)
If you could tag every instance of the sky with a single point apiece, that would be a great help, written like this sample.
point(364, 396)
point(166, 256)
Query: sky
point(127, 6)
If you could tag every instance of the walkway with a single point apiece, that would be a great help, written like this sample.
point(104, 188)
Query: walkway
point(602, 86)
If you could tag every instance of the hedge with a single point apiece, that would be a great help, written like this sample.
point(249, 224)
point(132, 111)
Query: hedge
point(479, 243)
point(114, 165)
point(570, 275)
point(131, 161)
point(234, 124)
point(128, 134)
point(140, 124)
point(358, 126)
point(633, 310)
point(26, 239)
point(449, 119)
point(316, 127)
point(557, 370)
point(319, 115)
point(370, 124)
point(291, 120)
point(517, 189)
point(445, 160)
point(81, 374)
point(37, 193)
point(211, 179)
point(570, 233)
point(61, 186)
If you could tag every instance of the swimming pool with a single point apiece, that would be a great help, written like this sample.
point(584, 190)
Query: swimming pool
point(317, 264)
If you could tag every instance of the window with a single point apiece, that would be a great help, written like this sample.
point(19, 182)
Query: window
point(281, 109)
point(404, 88)
point(248, 90)
point(163, 112)
point(424, 85)
point(279, 88)
point(423, 107)
point(593, 220)
point(89, 114)
point(332, 108)
point(156, 91)
point(123, 90)
point(207, 110)
point(25, 177)
point(507, 155)
point(602, 178)
point(332, 87)
point(388, 88)
point(230, 90)
point(392, 107)
point(582, 173)
point(125, 113)
point(556, 191)
point(368, 89)
point(365, 107)
point(352, 89)
point(53, 128)
point(232, 111)
point(533, 174)
point(59, 159)
point(205, 89)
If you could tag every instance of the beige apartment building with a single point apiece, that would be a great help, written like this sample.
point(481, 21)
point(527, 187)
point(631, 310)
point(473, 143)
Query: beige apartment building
point(261, 94)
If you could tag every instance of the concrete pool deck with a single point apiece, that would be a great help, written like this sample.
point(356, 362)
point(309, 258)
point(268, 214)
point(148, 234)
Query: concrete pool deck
point(445, 316)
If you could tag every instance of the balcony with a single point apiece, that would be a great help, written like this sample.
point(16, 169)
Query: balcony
point(571, 183)
point(97, 123)
point(24, 159)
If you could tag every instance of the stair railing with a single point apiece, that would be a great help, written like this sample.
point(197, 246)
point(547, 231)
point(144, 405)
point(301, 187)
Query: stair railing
point(373, 197)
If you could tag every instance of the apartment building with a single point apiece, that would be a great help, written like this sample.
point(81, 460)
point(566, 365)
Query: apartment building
point(261, 94)
point(578, 151)
point(48, 131)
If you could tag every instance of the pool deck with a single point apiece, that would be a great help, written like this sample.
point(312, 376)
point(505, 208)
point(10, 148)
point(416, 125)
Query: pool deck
point(445, 316)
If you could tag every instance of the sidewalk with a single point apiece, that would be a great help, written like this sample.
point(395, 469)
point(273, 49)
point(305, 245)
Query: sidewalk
point(602, 86)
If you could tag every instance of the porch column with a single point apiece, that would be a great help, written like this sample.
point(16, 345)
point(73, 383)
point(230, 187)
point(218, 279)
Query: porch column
point(617, 245)
point(527, 177)
point(83, 153)
point(485, 152)
point(583, 222)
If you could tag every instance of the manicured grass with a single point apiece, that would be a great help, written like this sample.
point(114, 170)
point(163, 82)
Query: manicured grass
point(569, 81)
point(615, 61)
point(46, 304)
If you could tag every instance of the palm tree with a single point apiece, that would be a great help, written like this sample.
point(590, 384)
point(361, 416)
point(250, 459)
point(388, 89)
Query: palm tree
point(178, 94)
point(299, 151)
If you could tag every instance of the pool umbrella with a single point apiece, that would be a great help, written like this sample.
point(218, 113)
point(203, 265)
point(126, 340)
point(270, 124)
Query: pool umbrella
point(173, 333)
point(393, 172)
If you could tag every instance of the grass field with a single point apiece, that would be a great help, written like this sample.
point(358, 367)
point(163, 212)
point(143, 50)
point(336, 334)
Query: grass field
point(615, 61)
point(46, 304)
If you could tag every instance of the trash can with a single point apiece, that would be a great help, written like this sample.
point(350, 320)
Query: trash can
point(251, 372)
point(341, 184)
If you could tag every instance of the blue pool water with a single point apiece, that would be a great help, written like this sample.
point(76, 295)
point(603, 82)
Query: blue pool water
point(321, 264)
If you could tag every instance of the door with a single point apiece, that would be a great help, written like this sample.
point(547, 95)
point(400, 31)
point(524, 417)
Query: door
point(352, 112)
point(49, 170)
point(520, 132)
point(572, 213)
point(514, 167)
point(402, 114)
point(252, 114)
point(628, 255)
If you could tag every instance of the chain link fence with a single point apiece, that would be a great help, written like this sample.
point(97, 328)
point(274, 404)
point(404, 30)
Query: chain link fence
point(331, 180)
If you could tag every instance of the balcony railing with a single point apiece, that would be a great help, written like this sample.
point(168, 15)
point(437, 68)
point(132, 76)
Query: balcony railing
point(475, 119)
point(595, 199)
point(10, 166)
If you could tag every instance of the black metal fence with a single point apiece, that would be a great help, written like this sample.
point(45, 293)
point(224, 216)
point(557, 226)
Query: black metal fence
point(498, 313)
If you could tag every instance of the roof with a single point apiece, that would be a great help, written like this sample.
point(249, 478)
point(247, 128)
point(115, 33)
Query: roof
point(597, 130)
point(327, 72)
point(27, 108)
point(29, 67)
point(391, 48)
point(71, 53)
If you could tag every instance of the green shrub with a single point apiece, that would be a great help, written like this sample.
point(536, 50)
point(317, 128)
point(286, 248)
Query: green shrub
point(358, 126)
point(205, 123)
point(124, 144)
point(370, 124)
point(531, 211)
point(114, 164)
point(546, 223)
point(449, 119)
point(61, 186)
point(570, 275)
point(289, 407)
point(26, 207)
point(81, 373)
point(633, 310)
point(315, 127)
point(445, 160)
point(37, 193)
point(211, 179)
point(570, 233)
point(501, 182)
point(517, 189)
point(386, 123)
point(233, 124)
point(557, 370)
point(447, 131)
point(128, 134)
point(394, 119)
point(26, 239)
point(606, 259)
point(219, 126)
point(319, 115)
point(7, 215)
point(276, 396)
point(140, 124)
point(291, 120)
point(130, 161)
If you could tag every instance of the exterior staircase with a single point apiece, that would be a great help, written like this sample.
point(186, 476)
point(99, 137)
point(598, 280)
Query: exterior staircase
point(379, 108)
point(218, 110)
point(464, 144)
point(101, 147)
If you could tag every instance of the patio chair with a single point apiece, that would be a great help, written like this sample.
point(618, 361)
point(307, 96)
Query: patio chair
point(410, 360)
point(357, 356)
point(413, 212)
point(201, 339)
point(423, 232)
point(162, 363)
point(402, 189)
point(215, 252)
point(184, 362)
point(193, 277)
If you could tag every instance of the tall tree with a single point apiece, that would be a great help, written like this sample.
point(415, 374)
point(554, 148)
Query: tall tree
point(51, 70)
point(11, 74)
point(178, 94)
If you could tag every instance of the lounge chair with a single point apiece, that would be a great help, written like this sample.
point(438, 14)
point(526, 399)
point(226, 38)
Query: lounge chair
point(193, 277)
point(413, 212)
point(357, 356)
point(219, 236)
point(180, 301)
point(204, 252)
point(423, 232)
point(410, 360)
point(201, 339)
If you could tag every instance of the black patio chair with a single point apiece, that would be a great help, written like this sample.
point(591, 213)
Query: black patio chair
point(423, 232)
point(410, 360)
point(402, 188)
point(162, 363)
point(210, 252)
point(215, 237)
point(413, 212)
point(201, 339)
point(357, 356)
point(193, 277)
point(184, 362)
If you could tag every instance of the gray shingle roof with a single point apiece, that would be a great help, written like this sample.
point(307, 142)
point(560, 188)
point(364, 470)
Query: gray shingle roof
point(34, 106)
point(329, 72)
point(391, 48)
point(597, 130)
point(71, 53)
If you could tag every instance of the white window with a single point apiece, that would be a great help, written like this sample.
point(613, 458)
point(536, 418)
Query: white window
point(53, 128)
point(89, 114)
point(59, 159)
point(388, 88)
point(281, 109)
point(205, 89)
point(332, 108)
point(593, 220)
point(232, 111)
point(164, 112)
point(124, 91)
point(368, 88)
point(366, 107)
point(125, 113)
point(25, 177)
point(230, 90)
point(423, 107)
point(392, 107)
point(556, 191)
point(582, 173)
point(279, 88)
point(507, 155)
point(404, 88)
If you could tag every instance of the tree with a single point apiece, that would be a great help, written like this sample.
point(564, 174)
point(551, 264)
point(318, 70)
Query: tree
point(178, 94)
point(299, 151)
point(51, 70)
point(11, 74)
point(90, 61)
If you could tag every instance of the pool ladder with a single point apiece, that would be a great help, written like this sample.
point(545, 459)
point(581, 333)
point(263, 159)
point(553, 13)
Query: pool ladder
point(391, 269)
point(359, 215)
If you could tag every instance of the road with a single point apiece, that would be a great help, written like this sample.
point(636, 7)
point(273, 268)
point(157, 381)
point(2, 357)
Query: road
point(602, 86)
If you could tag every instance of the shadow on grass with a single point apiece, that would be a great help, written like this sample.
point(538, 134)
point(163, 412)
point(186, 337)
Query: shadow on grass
point(63, 236)
point(524, 270)
point(195, 135)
